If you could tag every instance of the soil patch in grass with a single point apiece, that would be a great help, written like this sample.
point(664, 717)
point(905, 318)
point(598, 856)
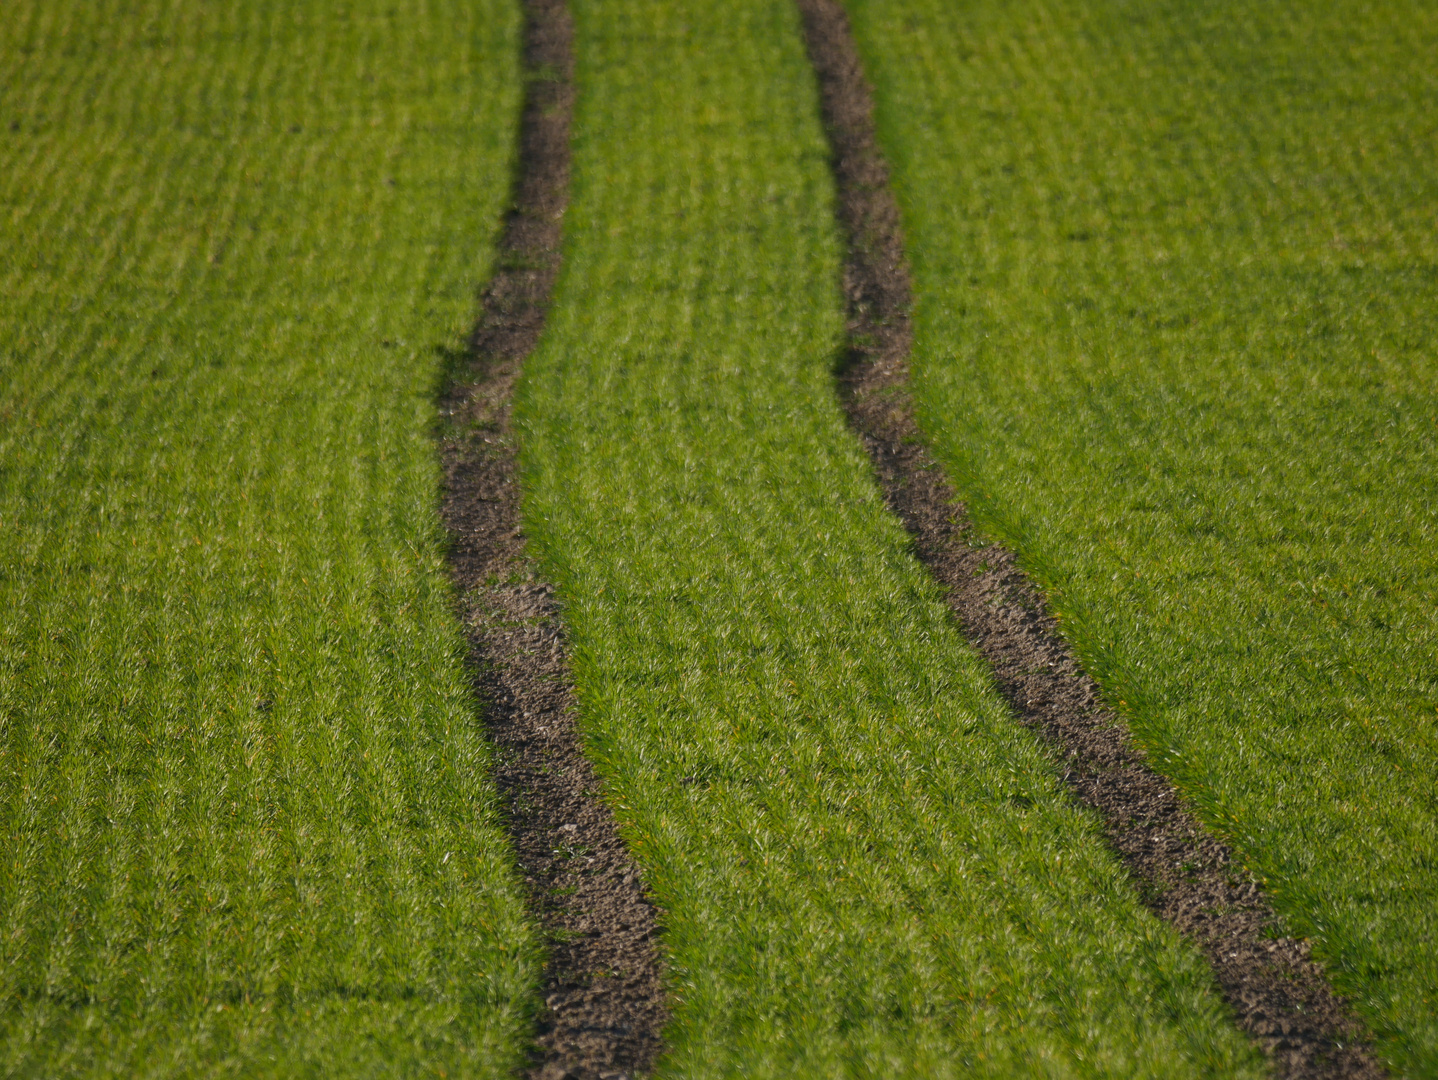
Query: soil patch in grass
point(603, 990)
point(1187, 877)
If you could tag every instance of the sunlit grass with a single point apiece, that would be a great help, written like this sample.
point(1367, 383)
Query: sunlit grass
point(243, 801)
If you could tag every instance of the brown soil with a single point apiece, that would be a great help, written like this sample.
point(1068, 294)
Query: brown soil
point(1187, 876)
point(603, 992)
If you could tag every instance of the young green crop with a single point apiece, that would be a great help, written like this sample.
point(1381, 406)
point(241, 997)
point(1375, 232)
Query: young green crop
point(1177, 310)
point(866, 867)
point(243, 807)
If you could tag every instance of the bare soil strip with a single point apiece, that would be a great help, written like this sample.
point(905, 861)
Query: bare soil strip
point(1187, 876)
point(603, 981)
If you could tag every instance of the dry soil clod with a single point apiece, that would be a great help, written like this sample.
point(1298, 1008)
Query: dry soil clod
point(1188, 877)
point(603, 990)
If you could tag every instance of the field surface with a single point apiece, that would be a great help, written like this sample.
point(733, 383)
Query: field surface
point(244, 810)
point(866, 868)
point(1177, 307)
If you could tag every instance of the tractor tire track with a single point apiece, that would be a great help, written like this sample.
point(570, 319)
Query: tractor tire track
point(603, 982)
point(1186, 876)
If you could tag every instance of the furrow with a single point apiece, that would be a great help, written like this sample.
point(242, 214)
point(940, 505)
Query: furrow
point(603, 989)
point(1187, 876)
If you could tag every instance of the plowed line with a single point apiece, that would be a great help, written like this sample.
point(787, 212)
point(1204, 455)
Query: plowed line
point(1188, 877)
point(603, 980)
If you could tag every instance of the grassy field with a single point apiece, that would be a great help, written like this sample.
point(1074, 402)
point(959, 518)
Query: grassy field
point(866, 867)
point(1177, 279)
point(243, 805)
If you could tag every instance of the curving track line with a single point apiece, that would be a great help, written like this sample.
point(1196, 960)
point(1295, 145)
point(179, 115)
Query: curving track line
point(603, 990)
point(1186, 875)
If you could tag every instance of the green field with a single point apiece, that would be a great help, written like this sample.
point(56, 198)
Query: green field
point(866, 867)
point(1177, 306)
point(246, 821)
point(1176, 276)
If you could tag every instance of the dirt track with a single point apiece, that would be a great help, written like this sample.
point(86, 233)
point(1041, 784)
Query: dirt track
point(1186, 875)
point(603, 988)
point(603, 992)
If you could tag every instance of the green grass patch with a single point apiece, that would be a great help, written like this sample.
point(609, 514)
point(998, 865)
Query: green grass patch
point(243, 806)
point(866, 867)
point(1177, 308)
